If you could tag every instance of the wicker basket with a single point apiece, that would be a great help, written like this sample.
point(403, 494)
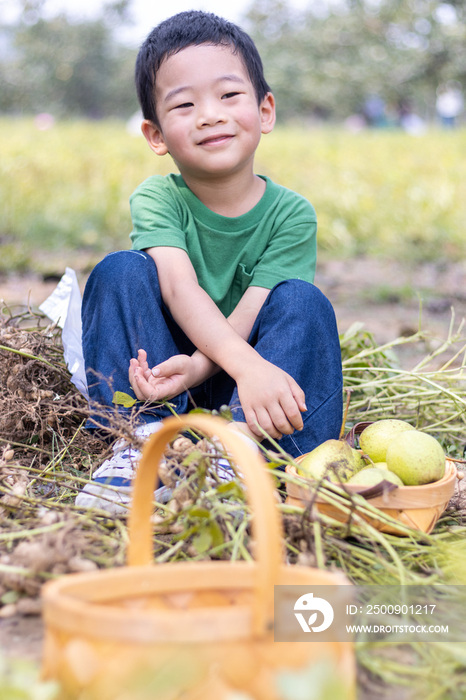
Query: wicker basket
point(191, 630)
point(417, 507)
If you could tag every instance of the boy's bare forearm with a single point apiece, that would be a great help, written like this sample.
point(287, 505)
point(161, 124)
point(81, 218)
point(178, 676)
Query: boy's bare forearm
point(223, 341)
point(241, 320)
point(204, 368)
point(271, 400)
point(219, 341)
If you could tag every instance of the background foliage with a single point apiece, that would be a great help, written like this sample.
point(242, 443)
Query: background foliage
point(322, 62)
point(66, 69)
point(346, 50)
point(64, 190)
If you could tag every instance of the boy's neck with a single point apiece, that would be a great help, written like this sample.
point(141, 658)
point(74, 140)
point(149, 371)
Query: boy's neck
point(230, 196)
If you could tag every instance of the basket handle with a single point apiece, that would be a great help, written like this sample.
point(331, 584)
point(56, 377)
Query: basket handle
point(266, 523)
point(357, 429)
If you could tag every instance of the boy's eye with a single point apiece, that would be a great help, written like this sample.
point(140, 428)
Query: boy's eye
point(229, 94)
point(184, 105)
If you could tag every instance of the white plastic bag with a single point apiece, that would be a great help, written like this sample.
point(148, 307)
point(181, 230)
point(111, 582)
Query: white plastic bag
point(63, 307)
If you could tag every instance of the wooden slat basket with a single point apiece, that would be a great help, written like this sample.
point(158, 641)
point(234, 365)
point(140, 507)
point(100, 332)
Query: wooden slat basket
point(190, 630)
point(417, 507)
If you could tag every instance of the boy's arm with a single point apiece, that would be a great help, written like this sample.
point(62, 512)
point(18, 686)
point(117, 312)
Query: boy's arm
point(182, 372)
point(241, 320)
point(268, 395)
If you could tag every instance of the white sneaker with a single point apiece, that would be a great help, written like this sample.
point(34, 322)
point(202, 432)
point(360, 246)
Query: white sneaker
point(111, 484)
point(223, 465)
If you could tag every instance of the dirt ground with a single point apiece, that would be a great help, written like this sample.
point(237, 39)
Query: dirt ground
point(390, 299)
point(382, 295)
point(394, 300)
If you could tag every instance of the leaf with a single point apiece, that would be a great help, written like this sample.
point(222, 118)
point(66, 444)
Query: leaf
point(352, 331)
point(230, 488)
point(203, 541)
point(121, 399)
point(216, 534)
point(9, 597)
point(274, 465)
point(191, 457)
point(199, 512)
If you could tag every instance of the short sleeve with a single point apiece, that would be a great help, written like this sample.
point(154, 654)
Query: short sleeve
point(158, 217)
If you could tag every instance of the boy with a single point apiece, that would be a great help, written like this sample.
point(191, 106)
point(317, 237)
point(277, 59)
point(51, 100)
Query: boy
point(216, 295)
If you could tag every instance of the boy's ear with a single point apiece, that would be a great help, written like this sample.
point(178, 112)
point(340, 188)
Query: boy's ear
point(154, 137)
point(267, 112)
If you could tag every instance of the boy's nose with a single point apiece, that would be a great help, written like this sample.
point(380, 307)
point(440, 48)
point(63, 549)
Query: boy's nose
point(209, 114)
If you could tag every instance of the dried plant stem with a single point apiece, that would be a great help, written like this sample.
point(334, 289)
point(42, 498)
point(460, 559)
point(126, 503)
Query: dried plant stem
point(28, 356)
point(318, 547)
point(166, 556)
point(32, 532)
point(26, 573)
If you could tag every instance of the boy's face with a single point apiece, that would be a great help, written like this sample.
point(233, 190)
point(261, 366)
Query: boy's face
point(210, 120)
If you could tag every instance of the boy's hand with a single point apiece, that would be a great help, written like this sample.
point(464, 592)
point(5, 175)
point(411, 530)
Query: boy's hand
point(163, 382)
point(169, 378)
point(271, 399)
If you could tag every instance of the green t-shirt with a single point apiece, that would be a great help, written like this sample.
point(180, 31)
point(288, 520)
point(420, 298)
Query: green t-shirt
point(274, 241)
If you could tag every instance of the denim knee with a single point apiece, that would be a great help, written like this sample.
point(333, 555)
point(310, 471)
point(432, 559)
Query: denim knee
point(298, 290)
point(121, 265)
point(125, 272)
point(305, 298)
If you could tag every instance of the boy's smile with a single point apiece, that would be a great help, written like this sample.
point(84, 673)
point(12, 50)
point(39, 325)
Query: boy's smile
point(214, 140)
point(209, 117)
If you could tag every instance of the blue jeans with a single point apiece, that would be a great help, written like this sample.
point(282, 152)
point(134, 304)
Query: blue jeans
point(295, 329)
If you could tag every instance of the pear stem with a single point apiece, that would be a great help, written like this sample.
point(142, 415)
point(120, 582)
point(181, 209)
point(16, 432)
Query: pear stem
point(345, 414)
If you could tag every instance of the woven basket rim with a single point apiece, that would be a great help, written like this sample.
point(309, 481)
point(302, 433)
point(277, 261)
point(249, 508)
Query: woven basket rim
point(68, 605)
point(405, 492)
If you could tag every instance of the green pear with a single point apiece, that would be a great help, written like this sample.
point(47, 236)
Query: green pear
point(333, 459)
point(359, 461)
point(377, 465)
point(416, 457)
point(375, 439)
point(374, 475)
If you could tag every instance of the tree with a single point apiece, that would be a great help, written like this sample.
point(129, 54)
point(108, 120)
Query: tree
point(324, 61)
point(328, 59)
point(66, 68)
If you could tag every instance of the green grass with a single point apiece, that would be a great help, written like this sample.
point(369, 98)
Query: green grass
point(378, 192)
point(64, 192)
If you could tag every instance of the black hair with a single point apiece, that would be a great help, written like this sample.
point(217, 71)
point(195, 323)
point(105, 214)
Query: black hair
point(192, 28)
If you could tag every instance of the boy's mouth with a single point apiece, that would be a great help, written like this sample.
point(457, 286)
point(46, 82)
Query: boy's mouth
point(215, 140)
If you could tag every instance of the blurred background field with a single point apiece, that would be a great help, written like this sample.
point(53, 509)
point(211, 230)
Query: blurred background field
point(370, 125)
point(64, 190)
point(391, 208)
